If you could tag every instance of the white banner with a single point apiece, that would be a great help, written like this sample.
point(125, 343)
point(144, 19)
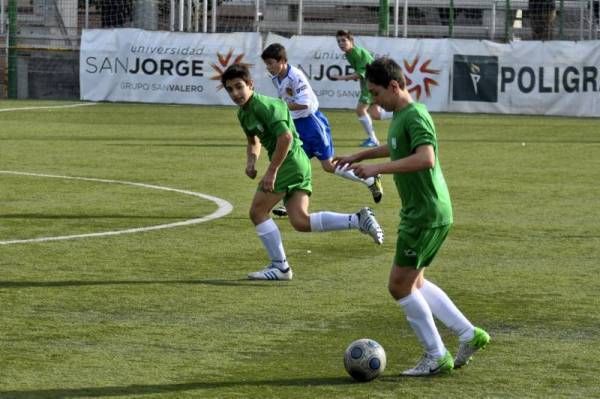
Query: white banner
point(541, 78)
point(426, 65)
point(529, 77)
point(162, 67)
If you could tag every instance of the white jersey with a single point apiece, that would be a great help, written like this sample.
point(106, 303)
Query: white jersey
point(294, 87)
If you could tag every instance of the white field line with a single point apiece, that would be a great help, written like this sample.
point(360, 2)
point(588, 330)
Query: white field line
point(224, 208)
point(46, 107)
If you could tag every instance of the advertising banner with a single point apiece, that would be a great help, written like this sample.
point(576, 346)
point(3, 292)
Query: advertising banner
point(523, 77)
point(526, 77)
point(426, 65)
point(162, 67)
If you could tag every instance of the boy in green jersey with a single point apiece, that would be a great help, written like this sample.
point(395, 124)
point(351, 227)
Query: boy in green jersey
point(425, 219)
point(267, 123)
point(358, 58)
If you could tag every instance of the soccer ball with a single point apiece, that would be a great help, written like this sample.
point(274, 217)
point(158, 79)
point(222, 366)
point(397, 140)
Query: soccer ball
point(364, 359)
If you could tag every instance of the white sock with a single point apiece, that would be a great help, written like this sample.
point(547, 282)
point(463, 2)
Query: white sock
point(346, 173)
point(444, 310)
point(367, 125)
point(420, 319)
point(385, 114)
point(269, 234)
point(330, 221)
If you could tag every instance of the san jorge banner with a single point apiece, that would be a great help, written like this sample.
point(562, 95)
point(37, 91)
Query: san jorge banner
point(425, 62)
point(547, 78)
point(162, 67)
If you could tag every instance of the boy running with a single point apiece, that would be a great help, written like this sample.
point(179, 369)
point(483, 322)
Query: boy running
point(267, 122)
point(358, 58)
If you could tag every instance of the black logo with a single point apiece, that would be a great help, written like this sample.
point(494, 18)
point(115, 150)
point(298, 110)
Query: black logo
point(475, 78)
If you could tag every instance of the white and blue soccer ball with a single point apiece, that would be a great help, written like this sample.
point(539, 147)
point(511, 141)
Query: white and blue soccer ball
point(364, 359)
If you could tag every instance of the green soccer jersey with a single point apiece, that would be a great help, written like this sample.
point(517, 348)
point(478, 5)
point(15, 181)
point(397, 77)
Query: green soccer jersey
point(268, 118)
point(359, 58)
point(424, 194)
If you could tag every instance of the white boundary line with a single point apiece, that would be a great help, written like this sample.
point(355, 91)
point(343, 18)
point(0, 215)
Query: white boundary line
point(46, 107)
point(224, 209)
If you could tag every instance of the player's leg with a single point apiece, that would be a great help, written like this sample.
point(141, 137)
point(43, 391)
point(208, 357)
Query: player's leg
point(367, 124)
point(378, 113)
point(471, 338)
point(413, 253)
point(270, 236)
point(315, 133)
point(298, 215)
point(373, 183)
point(436, 358)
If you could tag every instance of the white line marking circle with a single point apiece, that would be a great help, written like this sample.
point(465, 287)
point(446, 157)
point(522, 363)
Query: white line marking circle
point(46, 107)
point(224, 209)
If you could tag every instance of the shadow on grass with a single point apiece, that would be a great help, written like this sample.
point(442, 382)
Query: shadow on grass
point(242, 282)
point(98, 392)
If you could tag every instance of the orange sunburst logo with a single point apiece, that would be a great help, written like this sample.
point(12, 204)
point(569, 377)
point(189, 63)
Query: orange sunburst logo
point(418, 77)
point(223, 61)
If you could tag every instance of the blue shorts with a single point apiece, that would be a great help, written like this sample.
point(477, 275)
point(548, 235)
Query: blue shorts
point(315, 133)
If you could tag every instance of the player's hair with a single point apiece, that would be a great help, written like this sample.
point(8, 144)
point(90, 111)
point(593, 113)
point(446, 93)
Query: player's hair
point(383, 70)
point(235, 71)
point(345, 33)
point(275, 52)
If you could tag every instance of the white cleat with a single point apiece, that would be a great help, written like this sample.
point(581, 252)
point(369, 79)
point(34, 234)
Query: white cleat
point(428, 366)
point(367, 224)
point(271, 273)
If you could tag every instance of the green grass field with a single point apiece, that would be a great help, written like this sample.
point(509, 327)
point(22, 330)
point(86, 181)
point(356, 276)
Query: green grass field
point(169, 313)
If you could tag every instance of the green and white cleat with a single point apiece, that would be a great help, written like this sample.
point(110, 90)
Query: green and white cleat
point(429, 366)
point(467, 349)
point(376, 189)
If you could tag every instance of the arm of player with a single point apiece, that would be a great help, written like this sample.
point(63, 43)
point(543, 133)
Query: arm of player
point(381, 151)
point(252, 153)
point(423, 158)
point(284, 142)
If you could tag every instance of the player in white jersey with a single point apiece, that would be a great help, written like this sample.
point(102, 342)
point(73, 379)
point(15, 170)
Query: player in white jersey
point(312, 125)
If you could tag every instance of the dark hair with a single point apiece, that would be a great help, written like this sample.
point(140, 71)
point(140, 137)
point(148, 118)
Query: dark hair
point(275, 52)
point(383, 70)
point(345, 33)
point(235, 71)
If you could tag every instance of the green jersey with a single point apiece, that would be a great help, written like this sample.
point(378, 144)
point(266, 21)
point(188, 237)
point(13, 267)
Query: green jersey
point(424, 194)
point(359, 58)
point(268, 118)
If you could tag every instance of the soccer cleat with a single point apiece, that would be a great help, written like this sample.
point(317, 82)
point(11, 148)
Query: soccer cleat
point(271, 273)
point(280, 211)
point(370, 143)
point(428, 366)
point(376, 189)
point(467, 349)
point(367, 224)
